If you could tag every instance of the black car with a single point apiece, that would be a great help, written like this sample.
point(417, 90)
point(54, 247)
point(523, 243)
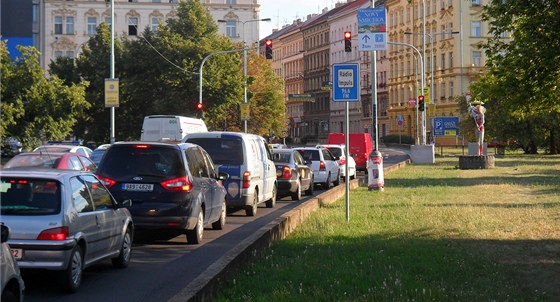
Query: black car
point(292, 173)
point(173, 187)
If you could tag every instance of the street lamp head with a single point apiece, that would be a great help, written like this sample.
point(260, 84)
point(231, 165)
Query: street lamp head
point(266, 19)
point(221, 21)
point(407, 33)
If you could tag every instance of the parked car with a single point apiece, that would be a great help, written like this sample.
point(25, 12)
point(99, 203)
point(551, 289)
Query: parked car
point(171, 128)
point(339, 151)
point(55, 160)
point(324, 165)
point(10, 275)
point(64, 220)
point(360, 146)
point(85, 151)
point(175, 188)
point(98, 153)
point(248, 161)
point(292, 173)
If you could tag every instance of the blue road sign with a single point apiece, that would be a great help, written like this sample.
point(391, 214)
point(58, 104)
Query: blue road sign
point(372, 29)
point(346, 82)
point(446, 125)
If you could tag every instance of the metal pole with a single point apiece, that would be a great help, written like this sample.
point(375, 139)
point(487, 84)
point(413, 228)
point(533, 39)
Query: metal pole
point(423, 68)
point(244, 75)
point(374, 133)
point(112, 75)
point(346, 180)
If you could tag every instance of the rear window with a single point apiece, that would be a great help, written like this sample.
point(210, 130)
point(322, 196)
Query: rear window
point(149, 160)
point(223, 151)
point(336, 151)
point(310, 154)
point(29, 196)
point(281, 157)
point(38, 160)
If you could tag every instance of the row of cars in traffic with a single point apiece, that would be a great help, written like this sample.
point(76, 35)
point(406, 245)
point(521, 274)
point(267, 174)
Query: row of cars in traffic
point(70, 217)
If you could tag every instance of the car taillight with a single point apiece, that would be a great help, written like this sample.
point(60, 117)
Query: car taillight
point(177, 184)
point(286, 172)
point(60, 233)
point(342, 161)
point(106, 181)
point(246, 180)
point(141, 146)
point(322, 166)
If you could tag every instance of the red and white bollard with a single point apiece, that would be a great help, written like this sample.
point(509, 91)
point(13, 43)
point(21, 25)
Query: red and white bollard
point(375, 171)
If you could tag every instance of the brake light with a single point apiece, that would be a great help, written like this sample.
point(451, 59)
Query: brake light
point(141, 146)
point(322, 166)
point(286, 172)
point(60, 233)
point(246, 180)
point(342, 161)
point(106, 181)
point(19, 181)
point(177, 184)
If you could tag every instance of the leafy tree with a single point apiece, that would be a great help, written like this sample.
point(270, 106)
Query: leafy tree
point(35, 108)
point(521, 87)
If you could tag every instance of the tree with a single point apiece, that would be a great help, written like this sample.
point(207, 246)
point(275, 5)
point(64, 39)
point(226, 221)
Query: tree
point(524, 72)
point(35, 108)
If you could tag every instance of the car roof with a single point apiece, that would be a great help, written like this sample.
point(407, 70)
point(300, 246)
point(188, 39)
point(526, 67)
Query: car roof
point(41, 173)
point(219, 134)
point(164, 144)
point(282, 150)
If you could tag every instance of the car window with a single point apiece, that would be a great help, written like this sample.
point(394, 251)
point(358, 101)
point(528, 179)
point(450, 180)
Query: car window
point(34, 160)
point(336, 151)
point(29, 196)
point(298, 159)
point(82, 152)
point(129, 160)
point(312, 155)
point(74, 163)
point(209, 164)
point(101, 198)
point(327, 154)
point(282, 157)
point(80, 195)
point(97, 155)
point(88, 163)
point(223, 151)
point(197, 166)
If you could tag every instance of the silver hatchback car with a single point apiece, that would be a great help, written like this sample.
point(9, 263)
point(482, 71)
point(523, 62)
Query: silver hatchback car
point(64, 220)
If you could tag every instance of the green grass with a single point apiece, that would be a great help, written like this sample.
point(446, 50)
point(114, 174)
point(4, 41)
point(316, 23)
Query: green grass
point(436, 233)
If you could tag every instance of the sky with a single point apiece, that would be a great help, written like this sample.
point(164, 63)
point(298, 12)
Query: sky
point(286, 11)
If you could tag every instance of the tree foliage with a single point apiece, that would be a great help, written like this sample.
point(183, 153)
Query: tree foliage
point(35, 108)
point(521, 89)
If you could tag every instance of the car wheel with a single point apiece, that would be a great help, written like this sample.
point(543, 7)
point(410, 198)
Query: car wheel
point(327, 184)
point(8, 295)
point(272, 201)
point(251, 210)
point(72, 275)
point(337, 180)
point(219, 225)
point(297, 194)
point(194, 236)
point(123, 259)
point(309, 190)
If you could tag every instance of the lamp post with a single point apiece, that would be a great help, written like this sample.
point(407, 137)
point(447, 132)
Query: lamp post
point(245, 59)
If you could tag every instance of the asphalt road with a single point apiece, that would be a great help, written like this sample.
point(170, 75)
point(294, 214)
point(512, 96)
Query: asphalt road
point(162, 268)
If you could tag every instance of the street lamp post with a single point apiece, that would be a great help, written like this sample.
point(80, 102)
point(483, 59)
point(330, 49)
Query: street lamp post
point(245, 59)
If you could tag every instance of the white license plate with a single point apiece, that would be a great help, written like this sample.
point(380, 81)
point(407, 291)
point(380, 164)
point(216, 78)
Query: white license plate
point(138, 187)
point(17, 253)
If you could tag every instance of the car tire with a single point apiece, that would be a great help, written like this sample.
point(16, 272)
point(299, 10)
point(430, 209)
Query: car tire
point(71, 277)
point(123, 259)
point(337, 181)
point(309, 190)
point(194, 236)
point(272, 201)
point(251, 210)
point(219, 225)
point(297, 194)
point(8, 295)
point(327, 184)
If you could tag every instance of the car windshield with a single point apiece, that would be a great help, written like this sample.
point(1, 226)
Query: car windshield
point(223, 151)
point(53, 149)
point(37, 160)
point(29, 196)
point(128, 160)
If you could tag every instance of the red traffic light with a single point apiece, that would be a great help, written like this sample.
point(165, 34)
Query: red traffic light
point(347, 35)
point(268, 43)
point(420, 98)
point(199, 106)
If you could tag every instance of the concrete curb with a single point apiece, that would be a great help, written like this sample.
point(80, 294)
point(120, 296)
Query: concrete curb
point(204, 287)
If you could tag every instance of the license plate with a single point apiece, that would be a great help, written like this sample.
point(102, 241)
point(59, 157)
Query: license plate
point(17, 253)
point(138, 187)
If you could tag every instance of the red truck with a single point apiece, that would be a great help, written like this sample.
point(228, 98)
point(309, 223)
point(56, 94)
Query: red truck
point(360, 147)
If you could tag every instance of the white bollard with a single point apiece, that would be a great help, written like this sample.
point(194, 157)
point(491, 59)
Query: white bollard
point(375, 171)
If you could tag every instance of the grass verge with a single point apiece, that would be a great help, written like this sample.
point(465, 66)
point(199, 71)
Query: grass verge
point(436, 233)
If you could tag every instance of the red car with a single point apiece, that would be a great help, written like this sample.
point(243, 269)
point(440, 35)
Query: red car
point(56, 160)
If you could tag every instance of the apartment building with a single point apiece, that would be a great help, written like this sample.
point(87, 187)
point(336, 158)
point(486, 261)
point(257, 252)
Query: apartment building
point(62, 27)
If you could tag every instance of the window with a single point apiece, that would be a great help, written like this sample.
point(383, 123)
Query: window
point(476, 58)
point(475, 29)
point(443, 32)
point(58, 25)
point(101, 198)
point(80, 196)
point(91, 25)
point(231, 28)
point(155, 23)
point(451, 89)
point(108, 21)
point(70, 54)
point(451, 60)
point(443, 90)
point(231, 1)
point(475, 2)
point(442, 61)
point(132, 26)
point(69, 25)
point(57, 54)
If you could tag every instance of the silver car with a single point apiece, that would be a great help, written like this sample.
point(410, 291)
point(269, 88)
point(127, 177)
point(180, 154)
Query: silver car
point(10, 276)
point(64, 220)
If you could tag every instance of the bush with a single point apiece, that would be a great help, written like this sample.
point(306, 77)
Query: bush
point(396, 139)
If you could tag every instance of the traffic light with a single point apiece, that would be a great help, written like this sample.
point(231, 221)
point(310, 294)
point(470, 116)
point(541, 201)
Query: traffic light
point(347, 41)
point(268, 49)
point(199, 109)
point(421, 102)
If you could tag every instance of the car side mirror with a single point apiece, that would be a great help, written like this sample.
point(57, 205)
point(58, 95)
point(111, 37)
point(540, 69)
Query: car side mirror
point(5, 233)
point(127, 203)
point(223, 176)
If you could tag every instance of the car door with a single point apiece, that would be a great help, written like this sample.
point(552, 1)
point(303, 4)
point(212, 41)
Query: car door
point(108, 220)
point(201, 185)
point(269, 168)
point(216, 187)
point(85, 219)
point(303, 169)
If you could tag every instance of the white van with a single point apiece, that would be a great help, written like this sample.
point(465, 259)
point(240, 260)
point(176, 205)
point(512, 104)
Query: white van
point(171, 128)
point(247, 160)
